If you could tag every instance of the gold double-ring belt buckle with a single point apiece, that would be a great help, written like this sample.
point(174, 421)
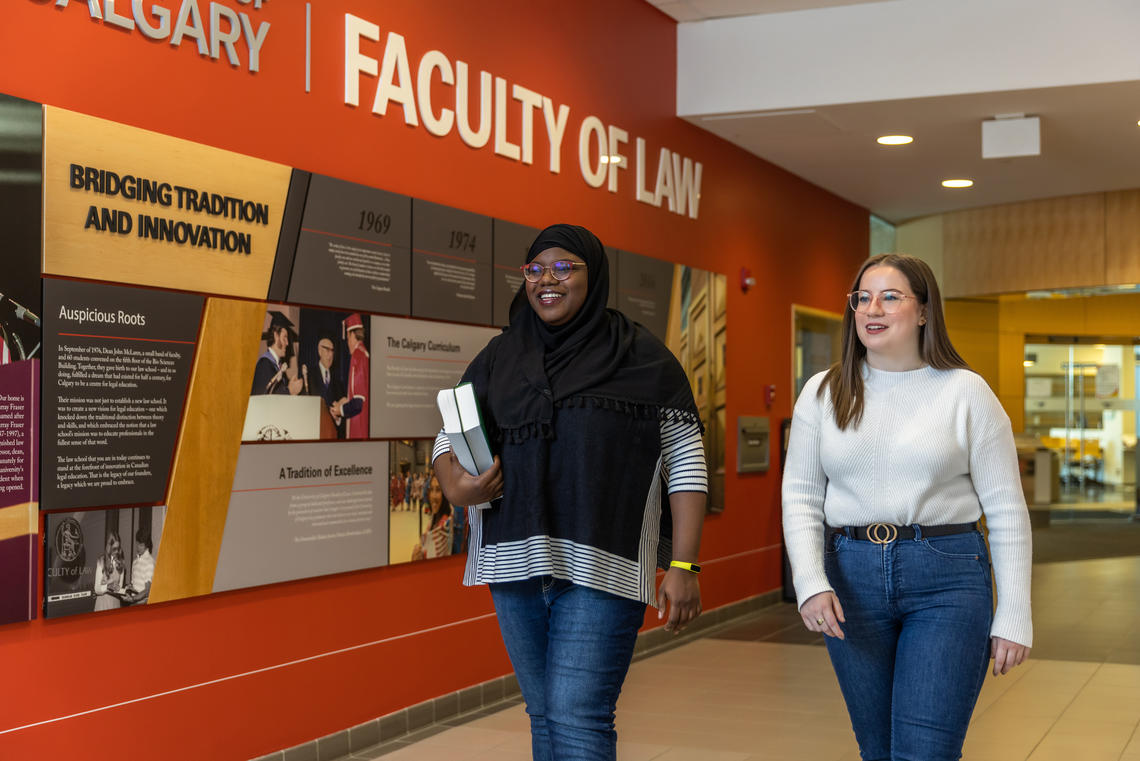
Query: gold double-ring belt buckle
point(882, 533)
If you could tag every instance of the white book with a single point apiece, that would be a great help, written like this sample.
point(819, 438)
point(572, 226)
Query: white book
point(463, 425)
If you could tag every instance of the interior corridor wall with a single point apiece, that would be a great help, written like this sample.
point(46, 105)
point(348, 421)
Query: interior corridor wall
point(239, 674)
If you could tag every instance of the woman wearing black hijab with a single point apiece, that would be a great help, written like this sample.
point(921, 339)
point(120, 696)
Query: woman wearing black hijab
point(601, 478)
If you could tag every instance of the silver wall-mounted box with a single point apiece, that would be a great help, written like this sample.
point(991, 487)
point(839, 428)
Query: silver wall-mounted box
point(752, 444)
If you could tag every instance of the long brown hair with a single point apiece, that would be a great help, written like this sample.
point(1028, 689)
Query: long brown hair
point(844, 379)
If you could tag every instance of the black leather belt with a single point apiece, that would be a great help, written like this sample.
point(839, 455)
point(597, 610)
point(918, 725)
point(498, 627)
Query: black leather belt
point(885, 533)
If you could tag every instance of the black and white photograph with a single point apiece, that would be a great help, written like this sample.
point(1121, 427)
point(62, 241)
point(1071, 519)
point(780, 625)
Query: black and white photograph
point(99, 560)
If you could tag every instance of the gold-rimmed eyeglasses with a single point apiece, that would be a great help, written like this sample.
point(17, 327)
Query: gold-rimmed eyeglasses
point(889, 301)
point(561, 269)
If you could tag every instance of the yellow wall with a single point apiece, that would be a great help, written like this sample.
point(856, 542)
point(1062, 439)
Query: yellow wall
point(973, 326)
point(990, 335)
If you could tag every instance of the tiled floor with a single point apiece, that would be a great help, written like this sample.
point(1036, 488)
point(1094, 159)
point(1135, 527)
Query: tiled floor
point(762, 688)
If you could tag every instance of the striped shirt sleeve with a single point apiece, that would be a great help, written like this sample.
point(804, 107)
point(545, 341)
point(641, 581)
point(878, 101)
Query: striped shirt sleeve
point(442, 445)
point(683, 457)
point(682, 454)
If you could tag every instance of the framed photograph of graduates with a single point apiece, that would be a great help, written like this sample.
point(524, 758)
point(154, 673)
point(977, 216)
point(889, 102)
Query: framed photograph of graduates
point(451, 264)
point(353, 248)
point(311, 379)
point(422, 523)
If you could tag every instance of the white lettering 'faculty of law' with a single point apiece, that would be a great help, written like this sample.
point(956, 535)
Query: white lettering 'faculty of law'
point(678, 178)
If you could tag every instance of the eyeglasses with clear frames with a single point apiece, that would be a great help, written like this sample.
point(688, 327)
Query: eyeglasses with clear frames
point(889, 301)
point(561, 269)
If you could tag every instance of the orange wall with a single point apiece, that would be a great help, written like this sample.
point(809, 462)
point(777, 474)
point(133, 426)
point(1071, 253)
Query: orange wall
point(405, 633)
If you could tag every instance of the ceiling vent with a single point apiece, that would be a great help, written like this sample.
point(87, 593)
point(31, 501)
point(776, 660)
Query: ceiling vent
point(1009, 135)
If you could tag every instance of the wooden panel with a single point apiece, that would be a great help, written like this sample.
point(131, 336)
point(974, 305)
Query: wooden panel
point(1122, 237)
point(73, 247)
point(973, 329)
point(207, 450)
point(19, 520)
point(1053, 243)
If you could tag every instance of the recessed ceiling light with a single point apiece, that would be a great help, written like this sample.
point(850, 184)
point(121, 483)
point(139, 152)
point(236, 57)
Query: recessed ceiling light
point(895, 140)
point(957, 183)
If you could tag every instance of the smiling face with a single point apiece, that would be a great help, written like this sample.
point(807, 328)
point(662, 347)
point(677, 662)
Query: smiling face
point(891, 340)
point(557, 301)
point(435, 495)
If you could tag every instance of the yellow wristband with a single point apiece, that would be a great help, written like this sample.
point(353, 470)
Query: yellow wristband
point(687, 566)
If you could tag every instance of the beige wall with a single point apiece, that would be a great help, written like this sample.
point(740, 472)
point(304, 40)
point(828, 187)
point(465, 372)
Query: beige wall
point(923, 238)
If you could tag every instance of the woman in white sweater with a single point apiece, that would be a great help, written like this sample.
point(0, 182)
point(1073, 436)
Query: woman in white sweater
point(895, 453)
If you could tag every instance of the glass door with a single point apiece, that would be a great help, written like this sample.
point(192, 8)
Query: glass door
point(1080, 401)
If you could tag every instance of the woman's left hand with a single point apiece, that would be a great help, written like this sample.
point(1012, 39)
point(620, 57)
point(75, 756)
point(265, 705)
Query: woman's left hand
point(681, 592)
point(1006, 655)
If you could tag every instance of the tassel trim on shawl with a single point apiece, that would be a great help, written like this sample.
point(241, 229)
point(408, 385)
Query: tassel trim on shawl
point(545, 429)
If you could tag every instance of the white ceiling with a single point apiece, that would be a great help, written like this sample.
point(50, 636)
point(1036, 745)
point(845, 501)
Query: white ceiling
point(1090, 140)
point(698, 10)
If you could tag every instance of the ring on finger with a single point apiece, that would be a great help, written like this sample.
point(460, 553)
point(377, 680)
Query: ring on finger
point(819, 622)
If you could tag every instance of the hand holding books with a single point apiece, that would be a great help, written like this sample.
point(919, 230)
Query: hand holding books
point(469, 475)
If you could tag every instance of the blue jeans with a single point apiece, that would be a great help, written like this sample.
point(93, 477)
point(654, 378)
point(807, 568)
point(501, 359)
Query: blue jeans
point(570, 647)
point(917, 641)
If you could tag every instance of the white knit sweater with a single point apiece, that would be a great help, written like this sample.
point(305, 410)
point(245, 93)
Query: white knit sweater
point(933, 447)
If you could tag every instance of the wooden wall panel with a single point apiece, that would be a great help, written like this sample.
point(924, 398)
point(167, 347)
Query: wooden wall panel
point(1052, 243)
point(207, 451)
point(1122, 237)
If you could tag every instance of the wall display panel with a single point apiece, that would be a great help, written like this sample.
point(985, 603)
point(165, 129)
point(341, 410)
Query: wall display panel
point(100, 560)
point(117, 361)
point(311, 378)
point(415, 359)
point(19, 489)
point(21, 159)
point(697, 335)
point(354, 248)
point(132, 206)
point(612, 257)
point(303, 510)
point(19, 441)
point(512, 241)
point(422, 523)
point(290, 232)
point(451, 264)
point(644, 286)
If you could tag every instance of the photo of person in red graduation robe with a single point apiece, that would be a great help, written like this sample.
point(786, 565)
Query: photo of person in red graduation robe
point(354, 406)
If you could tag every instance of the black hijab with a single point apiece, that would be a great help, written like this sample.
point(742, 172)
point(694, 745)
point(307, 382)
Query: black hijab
point(598, 357)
